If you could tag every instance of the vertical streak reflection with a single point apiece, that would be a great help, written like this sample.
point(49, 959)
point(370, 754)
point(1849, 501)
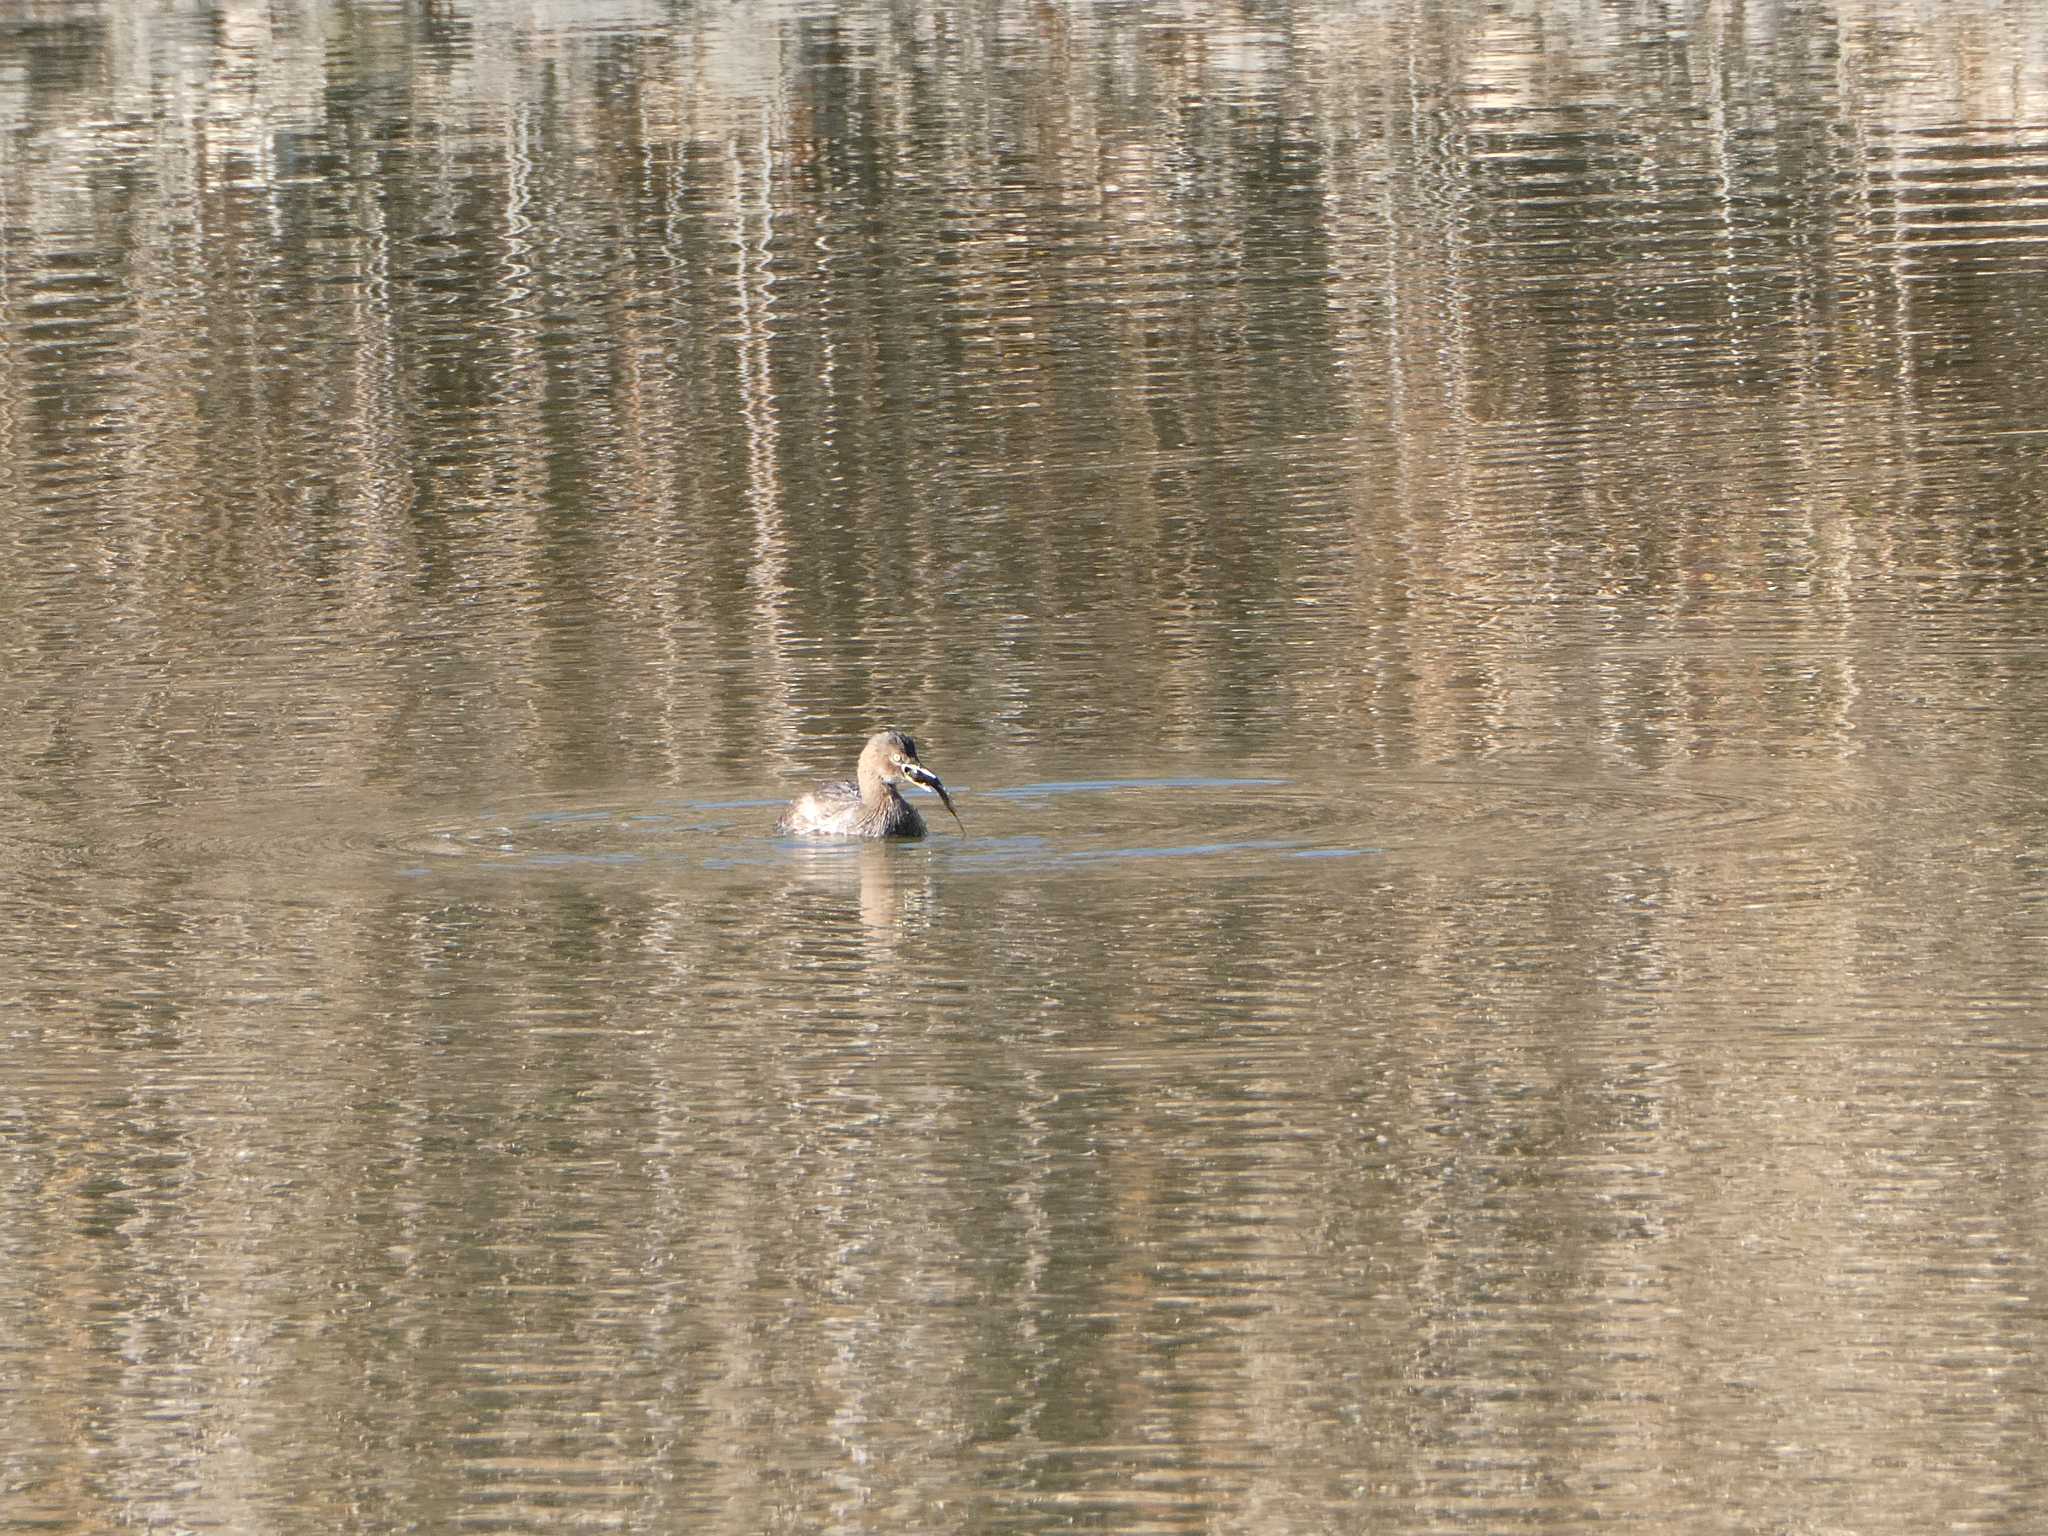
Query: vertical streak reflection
point(768, 579)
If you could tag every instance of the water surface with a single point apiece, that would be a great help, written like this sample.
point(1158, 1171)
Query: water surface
point(1479, 575)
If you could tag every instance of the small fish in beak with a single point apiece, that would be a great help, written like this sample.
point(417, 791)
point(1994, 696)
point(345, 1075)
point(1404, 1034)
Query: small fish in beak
point(917, 773)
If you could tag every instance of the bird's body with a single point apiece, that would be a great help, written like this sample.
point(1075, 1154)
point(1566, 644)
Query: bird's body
point(836, 809)
point(870, 804)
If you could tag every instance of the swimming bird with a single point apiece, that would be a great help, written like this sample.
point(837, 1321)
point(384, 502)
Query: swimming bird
point(869, 805)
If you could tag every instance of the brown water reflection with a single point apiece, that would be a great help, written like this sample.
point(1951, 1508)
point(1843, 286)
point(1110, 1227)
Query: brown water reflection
point(1478, 571)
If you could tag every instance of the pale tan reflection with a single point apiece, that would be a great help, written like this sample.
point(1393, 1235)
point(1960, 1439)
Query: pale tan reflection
point(753, 227)
point(891, 894)
point(891, 882)
point(844, 1225)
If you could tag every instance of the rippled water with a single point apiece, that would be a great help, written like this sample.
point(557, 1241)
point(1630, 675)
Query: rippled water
point(1478, 575)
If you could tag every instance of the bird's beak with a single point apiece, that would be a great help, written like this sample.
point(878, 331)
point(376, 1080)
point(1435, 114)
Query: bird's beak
point(917, 773)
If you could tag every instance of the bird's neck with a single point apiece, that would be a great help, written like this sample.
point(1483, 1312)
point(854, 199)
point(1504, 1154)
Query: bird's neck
point(876, 790)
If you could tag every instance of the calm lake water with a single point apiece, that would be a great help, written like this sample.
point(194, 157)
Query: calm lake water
point(1478, 574)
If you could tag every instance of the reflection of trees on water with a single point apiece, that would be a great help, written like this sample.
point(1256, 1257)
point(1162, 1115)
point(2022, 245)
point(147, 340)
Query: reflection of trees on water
point(1077, 377)
point(1217, 341)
